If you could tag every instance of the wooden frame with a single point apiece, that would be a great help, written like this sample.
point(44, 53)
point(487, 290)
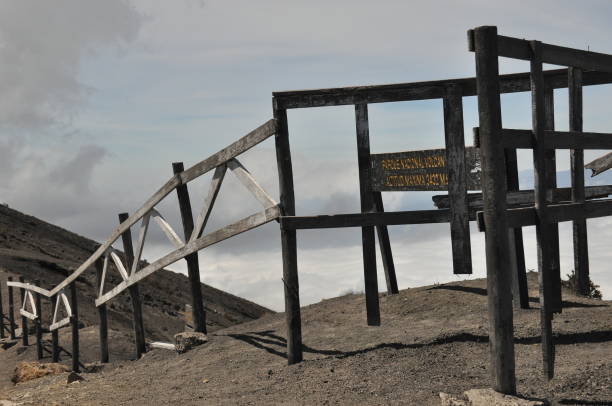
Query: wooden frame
point(495, 218)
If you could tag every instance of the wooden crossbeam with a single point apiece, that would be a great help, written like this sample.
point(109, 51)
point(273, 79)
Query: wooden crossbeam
point(167, 229)
point(250, 183)
point(209, 201)
point(30, 287)
point(61, 299)
point(142, 234)
point(119, 264)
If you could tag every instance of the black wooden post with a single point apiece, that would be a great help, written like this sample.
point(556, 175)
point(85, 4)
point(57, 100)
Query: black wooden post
point(543, 229)
point(457, 181)
point(193, 266)
point(551, 183)
point(128, 249)
point(11, 315)
point(74, 323)
point(496, 224)
point(581, 250)
point(38, 323)
point(367, 205)
point(385, 248)
point(55, 352)
point(24, 320)
point(2, 318)
point(102, 315)
point(288, 237)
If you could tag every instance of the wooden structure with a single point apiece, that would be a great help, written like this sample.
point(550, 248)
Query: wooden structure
point(495, 219)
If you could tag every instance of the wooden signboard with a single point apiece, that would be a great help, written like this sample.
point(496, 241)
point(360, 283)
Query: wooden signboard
point(420, 170)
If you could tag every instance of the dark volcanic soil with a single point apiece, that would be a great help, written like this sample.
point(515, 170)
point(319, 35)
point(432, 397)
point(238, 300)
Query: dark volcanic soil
point(41, 251)
point(432, 339)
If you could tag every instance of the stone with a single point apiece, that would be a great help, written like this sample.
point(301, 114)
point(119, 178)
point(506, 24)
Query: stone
point(73, 377)
point(489, 397)
point(450, 400)
point(187, 340)
point(26, 371)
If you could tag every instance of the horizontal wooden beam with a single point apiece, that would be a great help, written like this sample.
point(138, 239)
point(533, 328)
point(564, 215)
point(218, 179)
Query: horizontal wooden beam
point(27, 314)
point(554, 54)
point(557, 213)
point(525, 197)
point(365, 219)
point(511, 83)
point(243, 144)
point(59, 324)
point(196, 245)
point(577, 140)
point(30, 287)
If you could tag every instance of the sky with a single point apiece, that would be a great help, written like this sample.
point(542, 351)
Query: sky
point(97, 99)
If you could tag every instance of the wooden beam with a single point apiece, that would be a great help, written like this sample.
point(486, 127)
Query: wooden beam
point(30, 287)
point(2, 317)
point(288, 237)
point(600, 164)
point(457, 181)
point(385, 248)
point(167, 229)
point(193, 266)
point(11, 305)
point(368, 242)
point(250, 183)
point(579, 226)
point(74, 323)
point(494, 191)
point(24, 319)
point(137, 321)
point(209, 202)
point(38, 324)
point(516, 82)
point(102, 315)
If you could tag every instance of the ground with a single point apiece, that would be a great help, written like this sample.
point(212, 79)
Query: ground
point(432, 339)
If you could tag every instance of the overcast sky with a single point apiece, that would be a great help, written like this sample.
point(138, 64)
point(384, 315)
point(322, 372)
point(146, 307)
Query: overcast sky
point(98, 98)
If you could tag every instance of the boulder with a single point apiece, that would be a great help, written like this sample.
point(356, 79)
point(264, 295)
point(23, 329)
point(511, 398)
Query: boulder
point(73, 377)
point(186, 340)
point(488, 397)
point(26, 371)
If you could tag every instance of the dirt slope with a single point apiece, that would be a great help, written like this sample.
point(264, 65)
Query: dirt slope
point(41, 251)
point(432, 339)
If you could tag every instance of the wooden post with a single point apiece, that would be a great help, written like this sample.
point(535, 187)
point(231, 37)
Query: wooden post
point(457, 181)
point(193, 267)
point(102, 315)
point(543, 229)
point(581, 249)
point(128, 249)
point(2, 318)
point(74, 323)
point(288, 237)
point(11, 315)
point(551, 183)
point(494, 194)
point(368, 242)
point(24, 320)
point(38, 323)
point(55, 351)
point(385, 248)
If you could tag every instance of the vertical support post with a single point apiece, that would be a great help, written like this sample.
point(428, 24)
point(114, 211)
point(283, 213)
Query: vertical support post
point(74, 323)
point(288, 237)
point(543, 229)
point(581, 250)
point(457, 181)
point(551, 183)
point(128, 249)
point(55, 351)
point(24, 320)
point(385, 248)
point(2, 318)
point(193, 266)
point(102, 315)
point(11, 315)
point(496, 224)
point(367, 206)
point(38, 323)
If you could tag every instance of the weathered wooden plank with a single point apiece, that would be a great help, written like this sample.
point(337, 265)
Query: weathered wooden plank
point(119, 264)
point(167, 229)
point(457, 181)
point(421, 170)
point(163, 346)
point(288, 237)
point(385, 248)
point(2, 317)
point(193, 266)
point(494, 192)
point(38, 324)
point(516, 82)
point(525, 197)
point(24, 320)
point(543, 235)
point(579, 226)
point(137, 320)
point(74, 324)
point(142, 235)
point(578, 140)
point(209, 202)
point(29, 287)
point(27, 314)
point(231, 230)
point(102, 315)
point(250, 183)
point(600, 164)
point(245, 143)
point(11, 304)
point(59, 324)
point(516, 138)
point(368, 242)
point(365, 219)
